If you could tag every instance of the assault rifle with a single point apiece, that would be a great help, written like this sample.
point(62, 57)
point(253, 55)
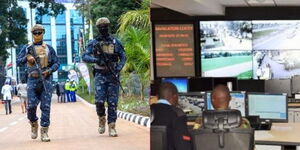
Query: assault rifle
point(108, 65)
point(32, 52)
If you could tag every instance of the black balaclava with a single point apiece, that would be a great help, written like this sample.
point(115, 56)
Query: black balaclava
point(103, 30)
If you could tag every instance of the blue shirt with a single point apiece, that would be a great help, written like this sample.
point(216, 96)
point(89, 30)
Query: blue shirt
point(163, 101)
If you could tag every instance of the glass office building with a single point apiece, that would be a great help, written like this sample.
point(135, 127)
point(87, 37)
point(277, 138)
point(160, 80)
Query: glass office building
point(63, 33)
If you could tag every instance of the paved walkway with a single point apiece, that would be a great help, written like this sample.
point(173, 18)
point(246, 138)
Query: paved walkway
point(73, 127)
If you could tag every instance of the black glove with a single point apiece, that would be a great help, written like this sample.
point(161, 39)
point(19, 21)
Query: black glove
point(97, 47)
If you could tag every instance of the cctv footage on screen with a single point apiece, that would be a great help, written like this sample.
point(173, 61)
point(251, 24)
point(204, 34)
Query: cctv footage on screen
point(264, 49)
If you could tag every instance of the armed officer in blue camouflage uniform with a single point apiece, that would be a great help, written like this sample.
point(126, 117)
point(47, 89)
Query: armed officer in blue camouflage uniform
point(41, 61)
point(109, 57)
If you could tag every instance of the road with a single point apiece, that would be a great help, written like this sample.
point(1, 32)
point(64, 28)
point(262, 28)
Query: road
point(73, 127)
point(232, 43)
point(286, 39)
point(229, 71)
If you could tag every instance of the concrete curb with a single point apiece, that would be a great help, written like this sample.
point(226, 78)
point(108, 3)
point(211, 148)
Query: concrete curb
point(138, 119)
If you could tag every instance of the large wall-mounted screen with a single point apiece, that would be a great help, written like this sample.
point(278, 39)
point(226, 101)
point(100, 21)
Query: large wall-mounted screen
point(276, 35)
point(226, 35)
point(174, 50)
point(275, 64)
point(258, 49)
point(227, 64)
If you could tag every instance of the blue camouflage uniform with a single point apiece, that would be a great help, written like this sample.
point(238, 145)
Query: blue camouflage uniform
point(35, 90)
point(106, 87)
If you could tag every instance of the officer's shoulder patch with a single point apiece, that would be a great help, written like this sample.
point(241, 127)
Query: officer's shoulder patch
point(178, 111)
point(186, 138)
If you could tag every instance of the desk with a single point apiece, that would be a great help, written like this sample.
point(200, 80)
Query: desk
point(283, 134)
point(294, 105)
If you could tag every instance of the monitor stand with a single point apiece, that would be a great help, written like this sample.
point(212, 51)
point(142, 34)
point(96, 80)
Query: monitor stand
point(265, 125)
point(259, 124)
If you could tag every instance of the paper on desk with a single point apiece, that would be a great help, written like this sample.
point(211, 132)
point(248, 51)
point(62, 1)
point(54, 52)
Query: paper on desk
point(262, 135)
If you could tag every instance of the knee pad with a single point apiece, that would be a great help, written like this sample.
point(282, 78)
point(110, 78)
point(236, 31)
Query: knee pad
point(99, 105)
point(100, 109)
point(31, 112)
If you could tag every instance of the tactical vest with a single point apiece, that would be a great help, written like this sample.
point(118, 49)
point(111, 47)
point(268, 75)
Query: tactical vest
point(108, 48)
point(42, 52)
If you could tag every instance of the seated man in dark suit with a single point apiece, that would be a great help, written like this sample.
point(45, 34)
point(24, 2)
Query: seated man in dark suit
point(220, 101)
point(165, 113)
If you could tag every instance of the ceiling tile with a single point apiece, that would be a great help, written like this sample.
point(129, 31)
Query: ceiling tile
point(287, 2)
point(232, 2)
point(261, 2)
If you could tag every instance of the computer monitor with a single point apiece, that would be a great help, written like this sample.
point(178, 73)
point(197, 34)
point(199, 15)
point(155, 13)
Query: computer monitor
point(180, 83)
point(193, 101)
point(251, 85)
point(278, 86)
point(198, 84)
point(237, 101)
point(268, 106)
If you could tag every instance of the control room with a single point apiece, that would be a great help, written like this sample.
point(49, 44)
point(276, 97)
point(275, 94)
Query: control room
point(250, 46)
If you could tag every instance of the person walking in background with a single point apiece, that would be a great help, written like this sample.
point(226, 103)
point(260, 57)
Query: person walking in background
point(62, 92)
point(73, 88)
point(67, 90)
point(7, 97)
point(57, 91)
point(22, 93)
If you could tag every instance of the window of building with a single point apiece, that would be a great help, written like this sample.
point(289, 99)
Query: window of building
point(45, 19)
point(76, 21)
point(75, 17)
point(48, 42)
point(62, 60)
point(61, 32)
point(60, 19)
point(61, 42)
point(47, 35)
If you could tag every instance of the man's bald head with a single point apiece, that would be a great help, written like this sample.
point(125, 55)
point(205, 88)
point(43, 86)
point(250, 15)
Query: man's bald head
point(221, 97)
point(169, 92)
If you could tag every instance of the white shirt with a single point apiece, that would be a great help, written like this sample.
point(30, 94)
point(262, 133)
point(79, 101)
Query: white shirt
point(163, 101)
point(6, 91)
point(22, 90)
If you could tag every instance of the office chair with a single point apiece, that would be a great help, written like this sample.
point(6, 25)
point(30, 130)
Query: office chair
point(220, 131)
point(158, 137)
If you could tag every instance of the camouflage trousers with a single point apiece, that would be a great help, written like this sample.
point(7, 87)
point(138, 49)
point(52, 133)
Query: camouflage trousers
point(107, 90)
point(37, 94)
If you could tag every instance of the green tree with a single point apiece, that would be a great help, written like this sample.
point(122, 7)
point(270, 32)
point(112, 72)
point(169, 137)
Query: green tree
point(46, 7)
point(112, 9)
point(134, 31)
point(137, 48)
point(139, 18)
point(12, 27)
